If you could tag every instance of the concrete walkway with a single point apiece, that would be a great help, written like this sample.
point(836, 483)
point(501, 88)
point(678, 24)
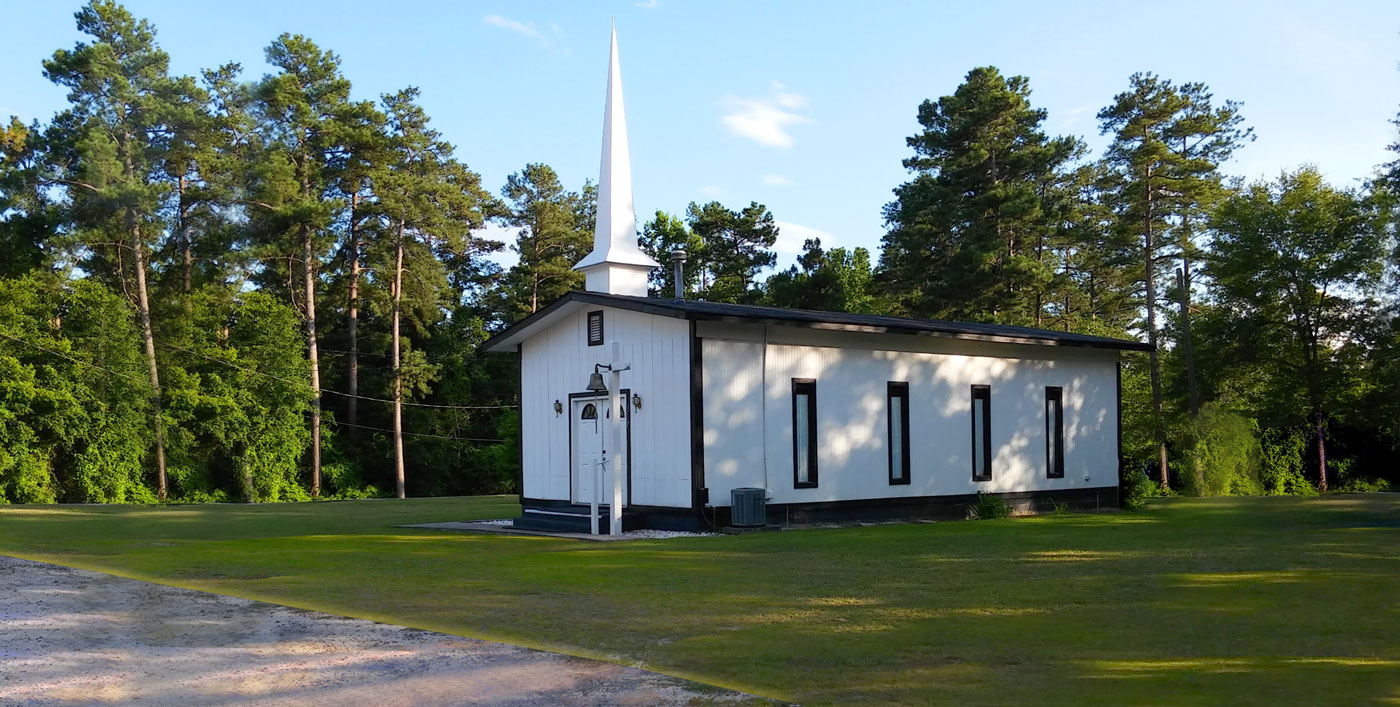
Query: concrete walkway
point(74, 637)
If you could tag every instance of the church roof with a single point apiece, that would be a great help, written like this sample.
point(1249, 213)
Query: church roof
point(831, 321)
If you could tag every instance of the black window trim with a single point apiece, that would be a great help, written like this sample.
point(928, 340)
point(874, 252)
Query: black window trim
point(897, 389)
point(1055, 440)
point(601, 336)
point(809, 387)
point(984, 393)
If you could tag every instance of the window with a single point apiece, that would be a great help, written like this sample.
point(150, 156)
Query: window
point(595, 328)
point(1054, 433)
point(981, 433)
point(897, 431)
point(590, 412)
point(804, 433)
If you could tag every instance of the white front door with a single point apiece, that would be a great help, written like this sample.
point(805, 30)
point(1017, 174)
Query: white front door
point(586, 416)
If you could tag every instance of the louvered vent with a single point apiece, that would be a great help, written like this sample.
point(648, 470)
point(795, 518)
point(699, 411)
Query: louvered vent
point(595, 328)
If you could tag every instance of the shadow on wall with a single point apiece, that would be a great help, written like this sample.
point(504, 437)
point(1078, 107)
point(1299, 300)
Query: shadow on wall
point(852, 414)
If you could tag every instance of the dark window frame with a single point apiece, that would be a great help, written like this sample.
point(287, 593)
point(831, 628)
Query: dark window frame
point(807, 386)
point(1055, 439)
point(983, 393)
point(896, 389)
point(599, 340)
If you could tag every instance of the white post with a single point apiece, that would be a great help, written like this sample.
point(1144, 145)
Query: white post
point(618, 430)
point(593, 502)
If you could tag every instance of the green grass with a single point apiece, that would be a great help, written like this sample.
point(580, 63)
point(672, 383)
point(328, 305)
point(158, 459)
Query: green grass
point(1194, 601)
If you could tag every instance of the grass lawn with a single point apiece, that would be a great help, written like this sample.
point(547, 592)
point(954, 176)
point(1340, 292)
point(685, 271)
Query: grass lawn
point(1194, 601)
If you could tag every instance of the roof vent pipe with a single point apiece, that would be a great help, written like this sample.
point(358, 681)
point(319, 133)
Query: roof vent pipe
point(678, 266)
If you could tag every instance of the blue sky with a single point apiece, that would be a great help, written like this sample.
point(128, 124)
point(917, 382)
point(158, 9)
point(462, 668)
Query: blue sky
point(801, 106)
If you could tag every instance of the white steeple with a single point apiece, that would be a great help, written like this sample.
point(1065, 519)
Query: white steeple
point(616, 265)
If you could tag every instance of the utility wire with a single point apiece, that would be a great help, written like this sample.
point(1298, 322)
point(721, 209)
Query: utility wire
point(336, 392)
point(419, 434)
point(146, 382)
point(130, 376)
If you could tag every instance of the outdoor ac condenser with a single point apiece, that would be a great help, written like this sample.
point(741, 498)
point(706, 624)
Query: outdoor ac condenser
point(748, 507)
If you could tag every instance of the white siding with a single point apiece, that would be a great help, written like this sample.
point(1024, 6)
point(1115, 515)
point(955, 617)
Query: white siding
point(733, 406)
point(851, 371)
point(557, 362)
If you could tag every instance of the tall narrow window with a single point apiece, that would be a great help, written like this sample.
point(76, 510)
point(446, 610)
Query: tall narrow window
point(897, 431)
point(595, 328)
point(1054, 432)
point(804, 433)
point(981, 433)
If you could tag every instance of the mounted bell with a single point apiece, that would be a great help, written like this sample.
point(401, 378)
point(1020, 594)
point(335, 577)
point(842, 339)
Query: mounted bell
point(596, 384)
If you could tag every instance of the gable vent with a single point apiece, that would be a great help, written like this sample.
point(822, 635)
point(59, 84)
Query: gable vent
point(595, 328)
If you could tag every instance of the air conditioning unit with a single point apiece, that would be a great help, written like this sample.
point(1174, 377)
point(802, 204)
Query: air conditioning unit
point(748, 507)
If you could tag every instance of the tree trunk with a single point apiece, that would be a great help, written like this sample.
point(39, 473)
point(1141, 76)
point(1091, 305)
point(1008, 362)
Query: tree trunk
point(1321, 456)
point(1153, 361)
point(398, 374)
point(352, 408)
point(186, 248)
point(308, 255)
point(1193, 394)
point(144, 306)
point(1183, 279)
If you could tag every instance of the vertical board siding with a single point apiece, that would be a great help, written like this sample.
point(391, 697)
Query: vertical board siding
point(558, 361)
point(851, 381)
point(732, 382)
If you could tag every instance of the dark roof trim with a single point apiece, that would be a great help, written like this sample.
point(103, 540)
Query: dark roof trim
point(829, 321)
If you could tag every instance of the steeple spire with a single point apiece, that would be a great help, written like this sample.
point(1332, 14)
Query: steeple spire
point(616, 265)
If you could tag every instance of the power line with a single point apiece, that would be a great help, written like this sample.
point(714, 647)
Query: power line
point(419, 434)
point(145, 382)
point(81, 363)
point(308, 386)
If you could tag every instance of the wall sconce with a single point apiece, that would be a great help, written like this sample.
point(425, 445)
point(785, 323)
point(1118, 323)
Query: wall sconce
point(636, 402)
point(558, 408)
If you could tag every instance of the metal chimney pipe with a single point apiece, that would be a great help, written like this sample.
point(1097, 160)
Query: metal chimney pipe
point(678, 263)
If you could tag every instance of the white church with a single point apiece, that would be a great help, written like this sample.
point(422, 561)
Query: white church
point(651, 412)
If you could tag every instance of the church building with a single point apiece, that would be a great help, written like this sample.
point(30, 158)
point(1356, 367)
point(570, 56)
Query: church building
point(655, 411)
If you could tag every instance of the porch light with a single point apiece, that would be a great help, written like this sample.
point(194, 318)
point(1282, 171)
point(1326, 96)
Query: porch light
point(558, 408)
point(636, 401)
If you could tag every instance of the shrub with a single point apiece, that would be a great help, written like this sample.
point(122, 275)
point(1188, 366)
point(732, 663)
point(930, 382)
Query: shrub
point(1281, 463)
point(1348, 480)
point(1137, 488)
point(1223, 459)
point(988, 507)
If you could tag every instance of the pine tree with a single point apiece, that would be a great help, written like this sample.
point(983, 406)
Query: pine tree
point(964, 232)
point(735, 246)
point(429, 200)
point(1168, 142)
point(555, 231)
point(299, 110)
point(28, 216)
point(363, 158)
point(661, 235)
point(107, 149)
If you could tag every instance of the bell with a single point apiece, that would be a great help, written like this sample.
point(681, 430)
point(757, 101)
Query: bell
point(595, 383)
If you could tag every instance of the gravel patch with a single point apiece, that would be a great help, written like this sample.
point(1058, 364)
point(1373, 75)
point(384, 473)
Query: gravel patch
point(635, 534)
point(664, 534)
point(71, 637)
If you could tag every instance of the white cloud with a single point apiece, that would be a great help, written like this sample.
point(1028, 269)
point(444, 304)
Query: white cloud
point(527, 29)
point(765, 120)
point(776, 180)
point(1073, 116)
point(712, 191)
point(648, 4)
point(791, 236)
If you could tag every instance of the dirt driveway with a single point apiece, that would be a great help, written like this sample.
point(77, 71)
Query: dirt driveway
point(74, 637)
